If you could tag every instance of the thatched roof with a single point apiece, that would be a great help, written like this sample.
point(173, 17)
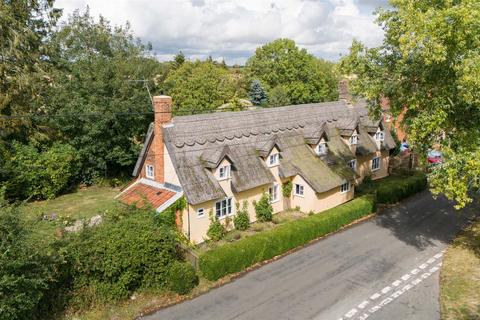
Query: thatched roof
point(198, 143)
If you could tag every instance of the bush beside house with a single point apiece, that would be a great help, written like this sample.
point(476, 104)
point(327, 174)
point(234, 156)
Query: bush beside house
point(244, 253)
point(393, 190)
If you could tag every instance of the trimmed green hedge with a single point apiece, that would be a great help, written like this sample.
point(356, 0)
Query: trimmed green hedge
point(237, 256)
point(398, 188)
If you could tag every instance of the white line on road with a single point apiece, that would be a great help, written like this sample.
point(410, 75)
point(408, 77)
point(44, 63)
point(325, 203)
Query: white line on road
point(415, 272)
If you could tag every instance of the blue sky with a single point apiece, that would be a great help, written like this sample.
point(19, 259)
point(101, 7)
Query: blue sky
point(232, 29)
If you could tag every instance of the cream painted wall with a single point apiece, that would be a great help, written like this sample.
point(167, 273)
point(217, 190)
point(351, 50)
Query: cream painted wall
point(364, 165)
point(169, 170)
point(312, 201)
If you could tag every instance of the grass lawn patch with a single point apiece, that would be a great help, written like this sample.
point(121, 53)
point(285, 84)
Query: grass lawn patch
point(85, 203)
point(460, 277)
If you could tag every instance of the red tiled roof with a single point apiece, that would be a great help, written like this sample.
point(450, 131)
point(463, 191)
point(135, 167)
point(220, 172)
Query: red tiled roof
point(143, 195)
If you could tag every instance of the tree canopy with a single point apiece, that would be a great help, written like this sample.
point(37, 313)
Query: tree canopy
point(199, 86)
point(304, 77)
point(429, 67)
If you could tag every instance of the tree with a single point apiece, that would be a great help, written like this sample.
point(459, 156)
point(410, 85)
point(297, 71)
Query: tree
point(178, 60)
point(429, 67)
point(98, 102)
point(258, 96)
point(199, 86)
point(281, 62)
point(24, 65)
point(278, 97)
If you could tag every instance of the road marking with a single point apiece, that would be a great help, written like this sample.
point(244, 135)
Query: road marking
point(415, 274)
point(375, 296)
point(405, 277)
point(386, 289)
point(351, 313)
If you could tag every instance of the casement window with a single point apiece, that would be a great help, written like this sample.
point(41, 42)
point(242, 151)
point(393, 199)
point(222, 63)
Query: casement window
point(321, 149)
point(375, 163)
point(149, 172)
point(353, 164)
point(345, 187)
point(223, 208)
point(298, 191)
point(274, 193)
point(353, 139)
point(379, 136)
point(224, 172)
point(273, 159)
point(200, 212)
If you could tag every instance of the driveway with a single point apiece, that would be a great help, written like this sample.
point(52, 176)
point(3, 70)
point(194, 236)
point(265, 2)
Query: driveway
point(385, 268)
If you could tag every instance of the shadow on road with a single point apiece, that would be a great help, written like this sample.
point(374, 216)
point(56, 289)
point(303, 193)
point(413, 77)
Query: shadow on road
point(422, 220)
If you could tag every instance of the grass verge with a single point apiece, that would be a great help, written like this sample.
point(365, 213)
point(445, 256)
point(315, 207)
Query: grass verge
point(460, 277)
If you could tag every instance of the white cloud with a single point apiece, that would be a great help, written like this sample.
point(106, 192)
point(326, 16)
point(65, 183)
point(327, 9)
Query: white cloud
point(233, 29)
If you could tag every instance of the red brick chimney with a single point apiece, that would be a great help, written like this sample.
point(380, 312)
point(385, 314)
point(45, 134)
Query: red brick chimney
point(162, 107)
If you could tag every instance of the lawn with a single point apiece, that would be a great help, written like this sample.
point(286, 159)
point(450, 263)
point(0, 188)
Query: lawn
point(50, 215)
point(460, 277)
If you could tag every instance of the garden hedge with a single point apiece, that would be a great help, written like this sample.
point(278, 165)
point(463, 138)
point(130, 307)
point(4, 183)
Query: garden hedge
point(393, 190)
point(237, 256)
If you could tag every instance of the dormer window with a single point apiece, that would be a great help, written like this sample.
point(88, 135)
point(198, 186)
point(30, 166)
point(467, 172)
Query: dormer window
point(273, 160)
point(353, 139)
point(379, 136)
point(224, 172)
point(321, 149)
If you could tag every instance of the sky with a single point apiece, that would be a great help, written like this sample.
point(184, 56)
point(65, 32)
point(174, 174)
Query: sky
point(233, 29)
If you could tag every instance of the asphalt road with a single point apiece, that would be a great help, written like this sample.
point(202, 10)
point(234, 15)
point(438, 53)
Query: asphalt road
point(385, 268)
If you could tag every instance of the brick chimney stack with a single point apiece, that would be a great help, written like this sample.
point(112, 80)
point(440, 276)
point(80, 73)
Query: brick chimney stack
point(162, 107)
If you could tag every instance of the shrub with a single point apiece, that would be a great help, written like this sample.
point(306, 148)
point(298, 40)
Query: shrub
point(263, 208)
point(394, 189)
point(242, 220)
point(27, 275)
point(40, 174)
point(116, 258)
point(237, 256)
point(216, 231)
point(182, 277)
point(287, 189)
point(168, 216)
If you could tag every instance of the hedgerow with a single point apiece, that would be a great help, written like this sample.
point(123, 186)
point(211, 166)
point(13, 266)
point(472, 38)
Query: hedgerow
point(237, 256)
point(393, 190)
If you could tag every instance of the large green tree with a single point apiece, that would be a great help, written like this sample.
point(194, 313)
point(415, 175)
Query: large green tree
point(98, 101)
point(429, 67)
point(303, 77)
point(199, 86)
point(24, 61)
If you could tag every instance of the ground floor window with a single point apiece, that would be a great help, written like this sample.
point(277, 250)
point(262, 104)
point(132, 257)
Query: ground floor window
point(200, 212)
point(345, 187)
point(376, 163)
point(273, 192)
point(298, 189)
point(223, 208)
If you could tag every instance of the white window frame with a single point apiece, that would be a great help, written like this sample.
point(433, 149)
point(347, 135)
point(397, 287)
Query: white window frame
point(353, 140)
point(200, 212)
point(354, 165)
point(224, 208)
point(344, 188)
point(299, 190)
point(224, 172)
point(274, 193)
point(273, 159)
point(150, 171)
point(375, 168)
point(321, 149)
point(379, 136)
